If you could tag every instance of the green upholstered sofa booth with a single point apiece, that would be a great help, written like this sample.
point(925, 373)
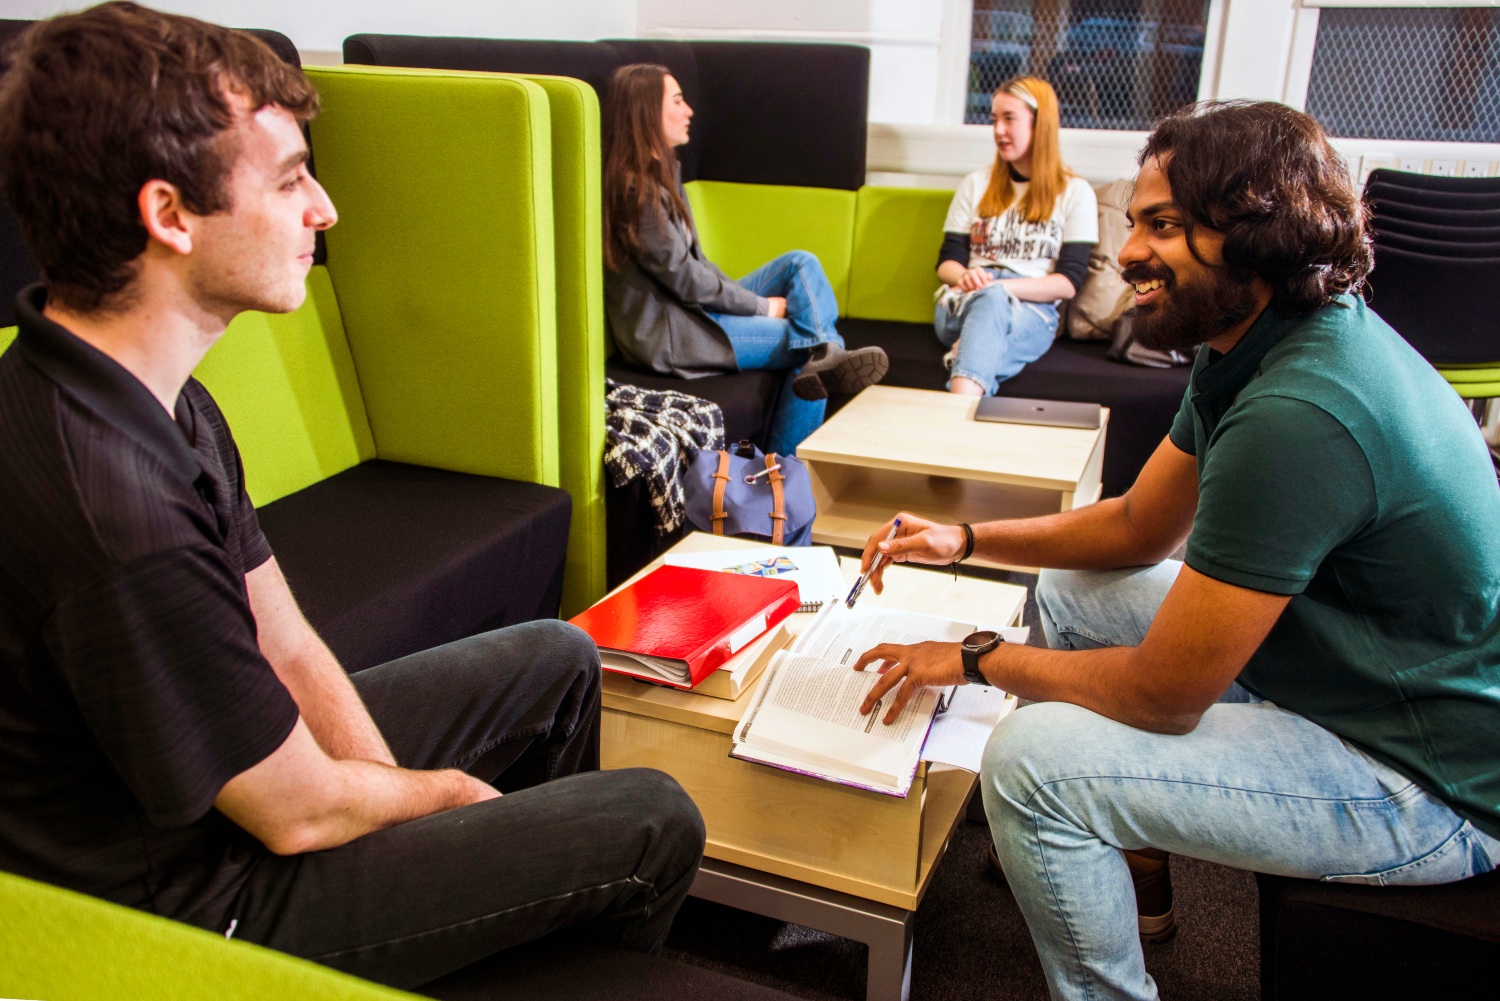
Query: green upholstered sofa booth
point(56, 945)
point(62, 946)
point(777, 163)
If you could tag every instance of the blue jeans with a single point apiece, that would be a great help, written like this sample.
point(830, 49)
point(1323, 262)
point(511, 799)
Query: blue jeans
point(1001, 334)
point(782, 344)
point(1255, 786)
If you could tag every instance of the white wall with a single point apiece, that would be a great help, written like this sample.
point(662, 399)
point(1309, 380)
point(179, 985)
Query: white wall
point(318, 27)
point(918, 59)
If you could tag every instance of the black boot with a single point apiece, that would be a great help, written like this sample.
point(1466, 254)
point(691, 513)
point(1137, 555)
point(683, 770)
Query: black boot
point(832, 369)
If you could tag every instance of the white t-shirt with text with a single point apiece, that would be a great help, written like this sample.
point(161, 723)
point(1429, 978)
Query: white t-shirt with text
point(1008, 240)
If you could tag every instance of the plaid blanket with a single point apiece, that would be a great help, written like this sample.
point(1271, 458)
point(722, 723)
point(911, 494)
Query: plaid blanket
point(654, 433)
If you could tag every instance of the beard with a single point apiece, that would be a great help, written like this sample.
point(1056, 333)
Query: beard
point(1193, 312)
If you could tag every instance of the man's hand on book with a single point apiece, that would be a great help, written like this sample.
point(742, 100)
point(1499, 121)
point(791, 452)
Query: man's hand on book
point(917, 541)
point(913, 667)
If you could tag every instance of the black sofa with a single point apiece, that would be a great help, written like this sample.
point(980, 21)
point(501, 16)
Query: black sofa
point(1322, 941)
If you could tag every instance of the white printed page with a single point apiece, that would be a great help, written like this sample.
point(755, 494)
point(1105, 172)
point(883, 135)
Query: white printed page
point(810, 707)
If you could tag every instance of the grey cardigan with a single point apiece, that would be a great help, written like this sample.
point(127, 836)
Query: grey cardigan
point(658, 303)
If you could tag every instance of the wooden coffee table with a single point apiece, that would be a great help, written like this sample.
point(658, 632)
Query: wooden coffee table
point(893, 449)
point(846, 861)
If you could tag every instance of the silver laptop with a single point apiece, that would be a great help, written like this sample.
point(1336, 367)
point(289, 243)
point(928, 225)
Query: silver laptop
point(1049, 413)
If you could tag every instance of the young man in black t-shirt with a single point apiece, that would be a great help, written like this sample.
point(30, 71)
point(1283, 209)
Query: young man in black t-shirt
point(173, 735)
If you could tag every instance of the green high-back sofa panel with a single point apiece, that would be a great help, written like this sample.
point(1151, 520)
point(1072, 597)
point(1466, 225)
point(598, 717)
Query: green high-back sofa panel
point(578, 229)
point(64, 946)
point(287, 386)
point(893, 271)
point(442, 260)
point(742, 226)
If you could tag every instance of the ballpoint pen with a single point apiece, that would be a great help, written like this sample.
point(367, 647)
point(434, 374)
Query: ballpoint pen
point(859, 585)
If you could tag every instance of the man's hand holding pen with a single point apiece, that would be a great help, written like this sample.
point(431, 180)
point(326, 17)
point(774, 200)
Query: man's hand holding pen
point(909, 539)
point(917, 540)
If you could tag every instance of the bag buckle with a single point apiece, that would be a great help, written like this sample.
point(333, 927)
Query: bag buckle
point(752, 477)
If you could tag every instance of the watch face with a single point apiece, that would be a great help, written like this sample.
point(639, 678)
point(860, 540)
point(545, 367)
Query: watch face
point(981, 641)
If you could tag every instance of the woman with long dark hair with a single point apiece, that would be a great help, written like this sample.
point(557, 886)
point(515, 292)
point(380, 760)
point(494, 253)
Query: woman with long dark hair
point(672, 310)
point(1015, 245)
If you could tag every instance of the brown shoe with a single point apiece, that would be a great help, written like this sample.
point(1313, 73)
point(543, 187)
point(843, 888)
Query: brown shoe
point(1152, 877)
point(995, 870)
point(832, 369)
point(1153, 891)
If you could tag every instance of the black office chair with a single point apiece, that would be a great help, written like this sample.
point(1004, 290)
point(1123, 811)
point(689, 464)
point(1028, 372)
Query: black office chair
point(1437, 273)
point(1456, 240)
point(1434, 182)
point(1444, 306)
point(1448, 248)
point(1457, 200)
point(1322, 941)
point(1396, 209)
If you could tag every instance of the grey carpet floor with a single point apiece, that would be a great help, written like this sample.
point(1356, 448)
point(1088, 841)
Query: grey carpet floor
point(970, 940)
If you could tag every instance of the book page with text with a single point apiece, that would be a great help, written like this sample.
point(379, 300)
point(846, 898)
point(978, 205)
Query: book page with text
point(810, 705)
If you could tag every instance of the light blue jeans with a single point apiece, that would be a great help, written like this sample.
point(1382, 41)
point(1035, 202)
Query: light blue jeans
point(1254, 786)
point(777, 344)
point(1001, 334)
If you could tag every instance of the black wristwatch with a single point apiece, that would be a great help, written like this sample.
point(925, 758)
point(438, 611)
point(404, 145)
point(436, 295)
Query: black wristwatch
point(976, 645)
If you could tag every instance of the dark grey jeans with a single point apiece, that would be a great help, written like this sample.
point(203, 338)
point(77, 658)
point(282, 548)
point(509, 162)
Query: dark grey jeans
point(611, 854)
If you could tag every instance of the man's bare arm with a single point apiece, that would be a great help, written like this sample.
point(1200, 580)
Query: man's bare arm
point(1143, 527)
point(329, 704)
point(1202, 637)
point(299, 799)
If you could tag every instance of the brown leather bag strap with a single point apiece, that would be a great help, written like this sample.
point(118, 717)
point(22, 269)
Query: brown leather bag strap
point(721, 483)
point(778, 502)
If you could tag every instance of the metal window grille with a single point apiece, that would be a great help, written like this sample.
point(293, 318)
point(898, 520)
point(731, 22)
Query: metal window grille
point(1407, 73)
point(1115, 64)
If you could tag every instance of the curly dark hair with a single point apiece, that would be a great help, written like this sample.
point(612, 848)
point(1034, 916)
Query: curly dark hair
point(97, 103)
point(1266, 176)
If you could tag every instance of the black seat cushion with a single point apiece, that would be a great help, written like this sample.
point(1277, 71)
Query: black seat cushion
point(564, 968)
point(1329, 940)
point(388, 559)
point(744, 397)
point(1142, 401)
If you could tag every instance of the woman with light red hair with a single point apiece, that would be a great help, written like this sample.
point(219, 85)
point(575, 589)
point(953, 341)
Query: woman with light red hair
point(1015, 245)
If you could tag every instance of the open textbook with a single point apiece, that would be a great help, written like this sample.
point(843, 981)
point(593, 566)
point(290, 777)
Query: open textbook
point(805, 717)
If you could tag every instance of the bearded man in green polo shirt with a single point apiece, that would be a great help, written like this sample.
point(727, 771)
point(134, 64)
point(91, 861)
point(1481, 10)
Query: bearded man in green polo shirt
point(1315, 691)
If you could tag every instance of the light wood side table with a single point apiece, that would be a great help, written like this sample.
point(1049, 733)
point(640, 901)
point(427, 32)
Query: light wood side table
point(847, 861)
point(893, 449)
